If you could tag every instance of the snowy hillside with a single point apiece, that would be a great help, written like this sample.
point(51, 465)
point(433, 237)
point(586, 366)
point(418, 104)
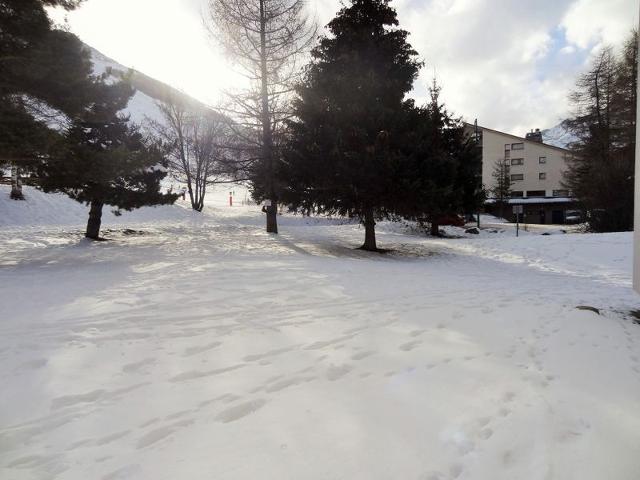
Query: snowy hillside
point(41, 209)
point(200, 347)
point(558, 136)
point(143, 105)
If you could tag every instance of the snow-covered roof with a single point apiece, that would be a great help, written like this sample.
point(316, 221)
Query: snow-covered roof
point(535, 200)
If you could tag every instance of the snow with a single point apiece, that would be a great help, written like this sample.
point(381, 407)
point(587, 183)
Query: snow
point(558, 136)
point(535, 200)
point(56, 209)
point(201, 347)
point(142, 109)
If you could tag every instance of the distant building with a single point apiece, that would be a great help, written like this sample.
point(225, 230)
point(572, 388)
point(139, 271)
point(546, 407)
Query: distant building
point(535, 169)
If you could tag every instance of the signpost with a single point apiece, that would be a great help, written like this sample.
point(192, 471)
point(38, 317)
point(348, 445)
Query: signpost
point(517, 211)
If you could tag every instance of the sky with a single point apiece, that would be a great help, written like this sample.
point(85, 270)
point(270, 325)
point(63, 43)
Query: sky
point(508, 63)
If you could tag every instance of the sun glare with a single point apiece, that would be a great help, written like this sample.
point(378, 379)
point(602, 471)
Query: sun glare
point(169, 42)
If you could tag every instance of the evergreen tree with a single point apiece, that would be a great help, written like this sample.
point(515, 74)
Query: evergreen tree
point(42, 71)
point(345, 148)
point(601, 169)
point(443, 165)
point(103, 160)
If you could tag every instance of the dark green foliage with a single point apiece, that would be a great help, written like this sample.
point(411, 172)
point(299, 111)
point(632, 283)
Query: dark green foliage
point(345, 146)
point(104, 160)
point(358, 148)
point(601, 172)
point(43, 73)
point(441, 171)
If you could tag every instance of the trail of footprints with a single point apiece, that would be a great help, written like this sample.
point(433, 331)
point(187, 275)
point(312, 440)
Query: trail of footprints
point(469, 438)
point(230, 407)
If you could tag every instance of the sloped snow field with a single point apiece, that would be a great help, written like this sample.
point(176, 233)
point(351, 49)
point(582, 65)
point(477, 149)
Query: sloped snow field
point(198, 347)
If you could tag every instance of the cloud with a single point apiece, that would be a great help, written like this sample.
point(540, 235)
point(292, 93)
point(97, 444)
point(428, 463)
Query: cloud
point(592, 23)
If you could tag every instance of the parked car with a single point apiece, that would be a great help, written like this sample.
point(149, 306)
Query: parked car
point(573, 216)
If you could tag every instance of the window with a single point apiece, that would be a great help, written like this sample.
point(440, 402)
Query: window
point(507, 154)
point(542, 176)
point(517, 161)
point(536, 193)
point(561, 193)
point(517, 146)
point(507, 147)
point(518, 194)
point(517, 177)
point(542, 160)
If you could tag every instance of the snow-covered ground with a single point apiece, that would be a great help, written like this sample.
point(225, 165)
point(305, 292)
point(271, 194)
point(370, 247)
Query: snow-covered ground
point(199, 347)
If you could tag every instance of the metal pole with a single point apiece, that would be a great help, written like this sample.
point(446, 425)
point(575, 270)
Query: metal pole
point(636, 233)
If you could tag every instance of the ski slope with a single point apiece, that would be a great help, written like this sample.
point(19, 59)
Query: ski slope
point(199, 347)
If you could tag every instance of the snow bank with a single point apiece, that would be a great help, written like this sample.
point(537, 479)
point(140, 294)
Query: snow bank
point(41, 209)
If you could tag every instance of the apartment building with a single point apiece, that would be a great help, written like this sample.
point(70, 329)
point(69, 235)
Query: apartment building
point(535, 169)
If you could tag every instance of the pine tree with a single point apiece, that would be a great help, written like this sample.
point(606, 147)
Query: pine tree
point(446, 165)
point(41, 72)
point(104, 160)
point(601, 169)
point(344, 149)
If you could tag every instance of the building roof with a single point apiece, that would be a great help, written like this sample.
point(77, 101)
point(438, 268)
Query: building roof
point(515, 137)
point(534, 200)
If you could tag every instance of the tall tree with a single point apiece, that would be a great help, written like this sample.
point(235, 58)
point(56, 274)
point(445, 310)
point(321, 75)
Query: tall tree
point(445, 165)
point(265, 39)
point(502, 183)
point(601, 169)
point(345, 147)
point(41, 69)
point(195, 141)
point(104, 160)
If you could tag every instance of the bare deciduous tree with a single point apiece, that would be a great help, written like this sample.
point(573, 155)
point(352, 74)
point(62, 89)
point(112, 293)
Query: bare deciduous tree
point(265, 40)
point(501, 188)
point(194, 139)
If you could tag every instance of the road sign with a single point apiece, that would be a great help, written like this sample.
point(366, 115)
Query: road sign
point(518, 209)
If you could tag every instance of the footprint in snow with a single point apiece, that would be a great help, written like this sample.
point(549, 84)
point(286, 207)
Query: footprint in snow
point(239, 411)
point(407, 347)
point(161, 433)
point(361, 355)
point(485, 433)
point(335, 372)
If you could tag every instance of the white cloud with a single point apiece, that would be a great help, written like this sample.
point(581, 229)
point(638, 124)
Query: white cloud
point(505, 62)
point(592, 23)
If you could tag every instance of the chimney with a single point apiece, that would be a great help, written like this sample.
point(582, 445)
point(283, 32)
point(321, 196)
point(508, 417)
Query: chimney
point(534, 136)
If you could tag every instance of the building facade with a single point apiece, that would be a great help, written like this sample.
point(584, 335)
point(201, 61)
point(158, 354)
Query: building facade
point(535, 170)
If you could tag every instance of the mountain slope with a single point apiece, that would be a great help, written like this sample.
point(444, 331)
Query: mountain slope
point(558, 136)
point(143, 105)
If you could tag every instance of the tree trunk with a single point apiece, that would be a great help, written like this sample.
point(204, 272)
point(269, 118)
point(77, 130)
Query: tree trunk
point(16, 184)
point(435, 229)
point(272, 218)
point(369, 231)
point(95, 218)
point(267, 135)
